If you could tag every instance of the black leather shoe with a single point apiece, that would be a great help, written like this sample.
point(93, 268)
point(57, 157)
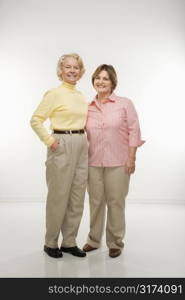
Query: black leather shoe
point(53, 252)
point(74, 251)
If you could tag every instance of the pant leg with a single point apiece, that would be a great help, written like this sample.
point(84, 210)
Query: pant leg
point(58, 177)
point(75, 206)
point(116, 189)
point(97, 205)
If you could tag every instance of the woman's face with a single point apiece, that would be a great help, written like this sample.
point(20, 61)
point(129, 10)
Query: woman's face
point(102, 83)
point(70, 70)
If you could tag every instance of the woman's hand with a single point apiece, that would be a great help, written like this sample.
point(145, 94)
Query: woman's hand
point(130, 166)
point(54, 146)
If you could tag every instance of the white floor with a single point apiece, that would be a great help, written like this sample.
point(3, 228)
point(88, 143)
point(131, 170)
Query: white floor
point(154, 244)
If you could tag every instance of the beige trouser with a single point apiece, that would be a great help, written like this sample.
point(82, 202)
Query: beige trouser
point(66, 176)
point(107, 186)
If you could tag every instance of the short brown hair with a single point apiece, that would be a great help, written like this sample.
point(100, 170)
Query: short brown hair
point(61, 61)
point(112, 74)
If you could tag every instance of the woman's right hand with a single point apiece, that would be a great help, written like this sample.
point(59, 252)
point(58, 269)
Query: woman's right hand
point(54, 146)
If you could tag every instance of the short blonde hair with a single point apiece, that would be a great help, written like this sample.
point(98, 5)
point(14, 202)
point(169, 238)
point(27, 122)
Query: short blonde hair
point(112, 74)
point(61, 61)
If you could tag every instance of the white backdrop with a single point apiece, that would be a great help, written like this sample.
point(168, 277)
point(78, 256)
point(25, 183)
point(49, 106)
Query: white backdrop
point(143, 39)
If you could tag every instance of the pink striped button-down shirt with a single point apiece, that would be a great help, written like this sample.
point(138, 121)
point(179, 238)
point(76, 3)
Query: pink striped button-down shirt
point(111, 128)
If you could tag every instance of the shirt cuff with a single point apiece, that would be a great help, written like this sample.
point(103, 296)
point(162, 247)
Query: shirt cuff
point(134, 143)
point(49, 141)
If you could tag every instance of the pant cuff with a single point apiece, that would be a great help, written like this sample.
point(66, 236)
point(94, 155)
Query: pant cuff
point(115, 246)
point(92, 243)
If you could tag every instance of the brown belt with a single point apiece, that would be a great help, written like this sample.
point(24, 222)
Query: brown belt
point(68, 131)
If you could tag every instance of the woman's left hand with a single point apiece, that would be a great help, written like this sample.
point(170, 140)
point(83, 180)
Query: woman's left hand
point(130, 166)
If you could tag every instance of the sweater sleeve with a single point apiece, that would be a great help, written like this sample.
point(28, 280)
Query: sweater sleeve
point(41, 114)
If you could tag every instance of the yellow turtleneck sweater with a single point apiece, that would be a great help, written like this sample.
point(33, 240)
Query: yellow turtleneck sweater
point(65, 107)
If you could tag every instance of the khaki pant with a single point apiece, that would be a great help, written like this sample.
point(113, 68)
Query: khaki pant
point(107, 186)
point(66, 176)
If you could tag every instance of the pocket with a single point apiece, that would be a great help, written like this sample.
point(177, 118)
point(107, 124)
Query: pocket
point(120, 118)
point(61, 146)
point(120, 113)
point(60, 139)
point(60, 150)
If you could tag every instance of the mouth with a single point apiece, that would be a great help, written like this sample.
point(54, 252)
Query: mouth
point(100, 86)
point(72, 76)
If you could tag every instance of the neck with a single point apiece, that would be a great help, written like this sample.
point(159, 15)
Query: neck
point(68, 85)
point(103, 97)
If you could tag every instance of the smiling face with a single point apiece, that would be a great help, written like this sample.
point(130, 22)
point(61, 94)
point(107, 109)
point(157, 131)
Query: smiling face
point(70, 70)
point(102, 83)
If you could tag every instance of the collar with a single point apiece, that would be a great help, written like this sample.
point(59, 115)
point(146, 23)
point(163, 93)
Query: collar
point(68, 85)
point(111, 98)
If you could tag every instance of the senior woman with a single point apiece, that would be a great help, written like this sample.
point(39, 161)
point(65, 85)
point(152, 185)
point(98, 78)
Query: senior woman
point(113, 134)
point(67, 159)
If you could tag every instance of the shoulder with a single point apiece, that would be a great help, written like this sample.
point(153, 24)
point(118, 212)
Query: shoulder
point(51, 92)
point(92, 107)
point(79, 93)
point(90, 103)
point(122, 100)
point(80, 96)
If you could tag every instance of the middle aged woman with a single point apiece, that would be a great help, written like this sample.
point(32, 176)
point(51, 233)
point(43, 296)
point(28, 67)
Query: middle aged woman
point(67, 160)
point(113, 134)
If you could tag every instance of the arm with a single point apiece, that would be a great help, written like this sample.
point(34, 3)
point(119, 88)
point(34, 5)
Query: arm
point(43, 112)
point(130, 163)
point(134, 137)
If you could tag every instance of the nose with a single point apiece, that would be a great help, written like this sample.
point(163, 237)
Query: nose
point(100, 80)
point(72, 70)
